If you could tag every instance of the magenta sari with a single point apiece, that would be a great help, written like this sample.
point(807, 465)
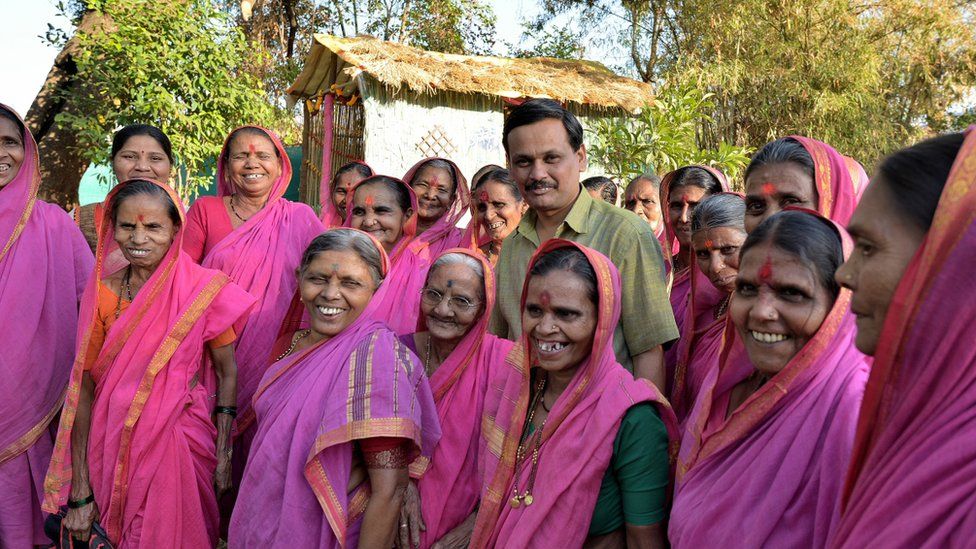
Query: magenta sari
point(577, 442)
point(151, 447)
point(839, 180)
point(261, 256)
point(450, 489)
point(913, 474)
point(44, 263)
point(769, 474)
point(311, 409)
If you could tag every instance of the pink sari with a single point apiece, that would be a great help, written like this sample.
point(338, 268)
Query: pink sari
point(311, 409)
point(450, 489)
point(44, 263)
point(151, 448)
point(261, 256)
point(680, 282)
point(913, 474)
point(577, 442)
point(840, 181)
point(330, 216)
point(769, 474)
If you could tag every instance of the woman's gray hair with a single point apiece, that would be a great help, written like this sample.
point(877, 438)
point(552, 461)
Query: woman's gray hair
point(344, 239)
point(719, 210)
point(457, 258)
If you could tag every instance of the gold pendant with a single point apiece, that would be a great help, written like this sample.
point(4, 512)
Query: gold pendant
point(528, 499)
point(514, 502)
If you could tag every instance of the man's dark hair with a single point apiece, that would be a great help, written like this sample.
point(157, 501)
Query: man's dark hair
point(537, 110)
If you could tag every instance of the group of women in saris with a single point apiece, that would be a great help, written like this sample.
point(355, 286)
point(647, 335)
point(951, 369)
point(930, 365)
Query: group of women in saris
point(333, 377)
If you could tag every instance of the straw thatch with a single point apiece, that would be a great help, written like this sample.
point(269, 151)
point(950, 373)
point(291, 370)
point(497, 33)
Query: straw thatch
point(337, 62)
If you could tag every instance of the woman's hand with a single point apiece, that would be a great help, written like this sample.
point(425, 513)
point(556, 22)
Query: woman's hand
point(460, 536)
point(222, 475)
point(410, 516)
point(79, 521)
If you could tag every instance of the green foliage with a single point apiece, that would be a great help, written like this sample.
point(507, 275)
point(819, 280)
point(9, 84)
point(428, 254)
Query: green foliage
point(662, 138)
point(177, 64)
point(560, 42)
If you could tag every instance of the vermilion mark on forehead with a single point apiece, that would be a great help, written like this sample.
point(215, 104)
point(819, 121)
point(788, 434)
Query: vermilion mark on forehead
point(141, 218)
point(370, 200)
point(545, 299)
point(768, 189)
point(709, 244)
point(766, 271)
point(250, 148)
point(483, 196)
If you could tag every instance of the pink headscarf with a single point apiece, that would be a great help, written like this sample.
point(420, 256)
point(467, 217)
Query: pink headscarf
point(444, 234)
point(146, 419)
point(838, 191)
point(311, 408)
point(261, 255)
point(913, 474)
point(578, 437)
point(330, 214)
point(450, 489)
point(770, 473)
point(44, 263)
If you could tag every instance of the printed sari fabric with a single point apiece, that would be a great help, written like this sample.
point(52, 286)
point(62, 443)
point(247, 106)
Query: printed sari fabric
point(913, 474)
point(450, 489)
point(151, 448)
point(769, 473)
point(577, 441)
point(312, 408)
point(261, 256)
point(44, 263)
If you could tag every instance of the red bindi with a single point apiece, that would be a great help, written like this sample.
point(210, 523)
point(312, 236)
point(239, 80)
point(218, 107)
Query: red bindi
point(768, 189)
point(369, 200)
point(141, 218)
point(766, 271)
point(709, 244)
point(250, 148)
point(545, 299)
point(483, 196)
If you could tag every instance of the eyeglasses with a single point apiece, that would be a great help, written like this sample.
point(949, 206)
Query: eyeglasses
point(433, 298)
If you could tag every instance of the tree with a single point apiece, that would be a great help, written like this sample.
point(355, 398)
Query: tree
point(563, 42)
point(177, 64)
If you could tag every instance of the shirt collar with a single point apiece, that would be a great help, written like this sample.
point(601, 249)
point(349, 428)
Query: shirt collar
point(577, 219)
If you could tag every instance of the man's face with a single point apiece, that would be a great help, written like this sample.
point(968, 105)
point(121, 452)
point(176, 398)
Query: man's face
point(545, 166)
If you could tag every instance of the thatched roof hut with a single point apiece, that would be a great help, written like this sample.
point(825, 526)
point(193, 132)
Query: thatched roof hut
point(392, 104)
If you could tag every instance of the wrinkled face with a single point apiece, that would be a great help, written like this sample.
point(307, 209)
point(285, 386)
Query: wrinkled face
point(375, 211)
point(141, 157)
point(681, 204)
point(717, 253)
point(144, 230)
point(545, 166)
point(644, 200)
point(498, 211)
point(777, 307)
point(11, 151)
point(335, 287)
point(772, 187)
point(884, 243)
point(253, 166)
point(560, 320)
point(435, 193)
point(341, 188)
point(452, 302)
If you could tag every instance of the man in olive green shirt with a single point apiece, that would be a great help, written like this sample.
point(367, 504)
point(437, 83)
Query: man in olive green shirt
point(546, 155)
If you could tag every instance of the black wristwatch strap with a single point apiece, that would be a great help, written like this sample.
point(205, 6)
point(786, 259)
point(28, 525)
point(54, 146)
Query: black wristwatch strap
point(76, 503)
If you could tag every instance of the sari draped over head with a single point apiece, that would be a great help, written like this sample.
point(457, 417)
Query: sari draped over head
point(769, 474)
point(839, 180)
point(697, 350)
point(445, 233)
point(330, 217)
point(450, 489)
point(913, 471)
point(577, 440)
point(151, 446)
point(44, 263)
point(312, 407)
point(261, 256)
point(680, 281)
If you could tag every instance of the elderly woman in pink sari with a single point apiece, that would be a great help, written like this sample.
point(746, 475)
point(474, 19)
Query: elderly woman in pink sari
point(442, 200)
point(341, 413)
point(913, 471)
point(253, 234)
point(802, 172)
point(44, 263)
point(343, 182)
point(137, 449)
point(717, 234)
point(766, 444)
point(459, 357)
point(576, 450)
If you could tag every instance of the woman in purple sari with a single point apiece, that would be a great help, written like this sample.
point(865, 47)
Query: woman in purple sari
point(44, 263)
point(342, 414)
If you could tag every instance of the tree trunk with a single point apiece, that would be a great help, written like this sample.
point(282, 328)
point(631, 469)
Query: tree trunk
point(61, 164)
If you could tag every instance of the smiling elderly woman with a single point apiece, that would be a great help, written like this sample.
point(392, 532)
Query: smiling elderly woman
point(137, 449)
point(341, 413)
point(768, 440)
point(498, 207)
